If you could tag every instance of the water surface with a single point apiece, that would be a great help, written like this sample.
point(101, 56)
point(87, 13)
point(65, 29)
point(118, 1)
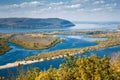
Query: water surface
point(56, 62)
point(71, 41)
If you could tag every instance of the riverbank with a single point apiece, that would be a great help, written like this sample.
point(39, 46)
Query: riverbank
point(38, 40)
point(3, 47)
point(34, 41)
point(19, 63)
point(55, 59)
point(53, 43)
point(113, 40)
point(30, 41)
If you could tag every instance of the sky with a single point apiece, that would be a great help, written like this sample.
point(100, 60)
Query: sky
point(74, 10)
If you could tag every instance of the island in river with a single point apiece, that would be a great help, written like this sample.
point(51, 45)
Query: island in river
point(33, 41)
point(112, 40)
point(36, 41)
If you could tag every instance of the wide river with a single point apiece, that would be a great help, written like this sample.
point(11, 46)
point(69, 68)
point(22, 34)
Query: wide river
point(71, 41)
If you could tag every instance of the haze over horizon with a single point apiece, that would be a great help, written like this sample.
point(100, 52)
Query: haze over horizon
point(74, 10)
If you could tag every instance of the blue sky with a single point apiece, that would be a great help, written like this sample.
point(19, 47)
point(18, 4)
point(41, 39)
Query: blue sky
point(74, 10)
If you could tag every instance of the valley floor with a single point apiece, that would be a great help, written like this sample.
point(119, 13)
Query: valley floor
point(113, 40)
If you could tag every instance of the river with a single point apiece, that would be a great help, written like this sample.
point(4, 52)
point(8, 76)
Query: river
point(71, 41)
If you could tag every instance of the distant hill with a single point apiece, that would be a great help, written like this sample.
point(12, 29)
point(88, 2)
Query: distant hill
point(34, 23)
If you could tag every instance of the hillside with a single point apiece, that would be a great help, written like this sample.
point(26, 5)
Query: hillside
point(34, 23)
point(86, 68)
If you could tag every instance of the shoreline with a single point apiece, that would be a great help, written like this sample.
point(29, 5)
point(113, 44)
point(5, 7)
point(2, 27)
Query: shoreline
point(46, 47)
point(24, 62)
point(18, 63)
point(111, 42)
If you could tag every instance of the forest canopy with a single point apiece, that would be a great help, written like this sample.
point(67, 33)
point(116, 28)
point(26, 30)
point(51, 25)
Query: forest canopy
point(86, 68)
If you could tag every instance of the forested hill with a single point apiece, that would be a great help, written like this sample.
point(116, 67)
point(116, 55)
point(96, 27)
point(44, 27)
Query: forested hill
point(34, 23)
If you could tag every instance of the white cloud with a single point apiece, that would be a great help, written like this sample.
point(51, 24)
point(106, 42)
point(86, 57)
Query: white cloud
point(22, 5)
point(56, 4)
point(97, 9)
point(79, 1)
point(111, 5)
point(26, 4)
point(60, 6)
point(68, 9)
point(99, 2)
point(74, 6)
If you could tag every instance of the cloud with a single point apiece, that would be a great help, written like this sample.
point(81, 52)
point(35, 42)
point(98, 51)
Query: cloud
point(22, 5)
point(74, 6)
point(111, 5)
point(60, 6)
point(26, 4)
point(80, 1)
point(97, 9)
point(56, 4)
point(69, 9)
point(99, 2)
